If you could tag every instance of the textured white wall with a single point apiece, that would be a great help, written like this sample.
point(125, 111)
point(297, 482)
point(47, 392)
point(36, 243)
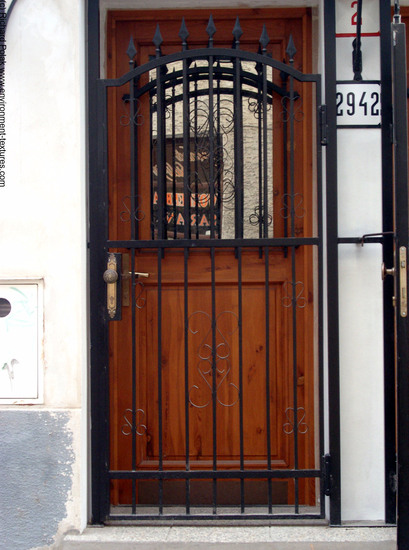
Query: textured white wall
point(42, 207)
point(360, 290)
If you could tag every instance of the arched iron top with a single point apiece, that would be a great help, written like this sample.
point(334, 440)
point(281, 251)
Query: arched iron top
point(221, 73)
point(218, 54)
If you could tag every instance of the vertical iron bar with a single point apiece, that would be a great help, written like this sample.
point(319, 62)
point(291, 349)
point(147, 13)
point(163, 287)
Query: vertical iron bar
point(295, 395)
point(132, 128)
point(151, 152)
point(387, 258)
point(161, 154)
point(402, 238)
point(285, 172)
point(133, 195)
point(292, 183)
point(265, 154)
point(187, 401)
point(186, 151)
point(260, 153)
point(268, 419)
point(294, 294)
point(134, 404)
point(214, 374)
point(240, 305)
point(238, 150)
point(211, 146)
point(332, 291)
point(160, 423)
point(218, 159)
point(284, 78)
point(98, 218)
point(320, 235)
point(98, 324)
point(174, 161)
point(196, 168)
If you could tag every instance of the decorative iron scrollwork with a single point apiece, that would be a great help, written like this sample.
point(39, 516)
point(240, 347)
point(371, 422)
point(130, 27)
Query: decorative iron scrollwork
point(292, 204)
point(288, 427)
point(255, 106)
point(298, 114)
point(140, 429)
point(140, 299)
point(131, 209)
point(257, 218)
point(137, 119)
point(207, 355)
point(294, 294)
point(223, 125)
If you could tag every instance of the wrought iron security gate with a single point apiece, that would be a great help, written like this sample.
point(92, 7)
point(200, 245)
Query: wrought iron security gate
point(210, 242)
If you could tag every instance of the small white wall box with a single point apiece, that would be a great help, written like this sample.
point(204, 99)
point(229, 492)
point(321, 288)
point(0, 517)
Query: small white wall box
point(21, 337)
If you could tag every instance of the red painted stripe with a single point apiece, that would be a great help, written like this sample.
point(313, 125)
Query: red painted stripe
point(353, 35)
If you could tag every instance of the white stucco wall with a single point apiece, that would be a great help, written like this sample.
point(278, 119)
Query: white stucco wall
point(360, 289)
point(43, 234)
point(42, 206)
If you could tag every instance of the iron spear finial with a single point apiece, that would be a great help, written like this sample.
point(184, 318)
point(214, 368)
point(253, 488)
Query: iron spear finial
point(211, 29)
point(131, 51)
point(291, 49)
point(237, 32)
point(183, 34)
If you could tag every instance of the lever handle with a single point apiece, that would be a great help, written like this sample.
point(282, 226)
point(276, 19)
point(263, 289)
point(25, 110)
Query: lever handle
point(138, 274)
point(128, 275)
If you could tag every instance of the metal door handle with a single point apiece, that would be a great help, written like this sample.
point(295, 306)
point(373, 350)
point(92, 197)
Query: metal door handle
point(403, 280)
point(111, 277)
point(136, 273)
point(385, 271)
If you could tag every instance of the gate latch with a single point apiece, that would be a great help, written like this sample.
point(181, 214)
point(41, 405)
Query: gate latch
point(403, 282)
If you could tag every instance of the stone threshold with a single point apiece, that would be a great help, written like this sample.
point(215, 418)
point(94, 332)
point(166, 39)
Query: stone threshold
point(229, 538)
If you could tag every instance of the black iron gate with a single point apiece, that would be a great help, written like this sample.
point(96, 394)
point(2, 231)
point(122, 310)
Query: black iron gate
point(207, 386)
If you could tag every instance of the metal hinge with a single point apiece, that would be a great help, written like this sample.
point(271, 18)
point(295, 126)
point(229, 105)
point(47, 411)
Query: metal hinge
point(326, 473)
point(323, 124)
point(393, 482)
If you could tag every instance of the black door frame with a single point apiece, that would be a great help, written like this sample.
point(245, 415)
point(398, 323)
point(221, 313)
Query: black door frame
point(388, 246)
point(99, 375)
point(334, 443)
point(400, 136)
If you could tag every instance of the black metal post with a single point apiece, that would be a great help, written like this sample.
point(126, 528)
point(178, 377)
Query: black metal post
point(402, 234)
point(332, 264)
point(387, 258)
point(98, 234)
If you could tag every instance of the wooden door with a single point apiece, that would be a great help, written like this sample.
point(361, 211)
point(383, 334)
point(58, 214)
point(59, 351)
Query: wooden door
point(212, 369)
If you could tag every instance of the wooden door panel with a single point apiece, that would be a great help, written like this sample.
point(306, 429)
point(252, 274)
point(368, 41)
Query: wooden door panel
point(237, 410)
point(200, 379)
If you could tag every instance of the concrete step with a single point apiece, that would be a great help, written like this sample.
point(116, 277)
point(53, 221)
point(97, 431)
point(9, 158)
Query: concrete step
point(232, 538)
